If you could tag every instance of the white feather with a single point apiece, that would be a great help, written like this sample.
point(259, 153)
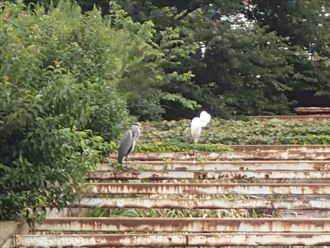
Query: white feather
point(196, 128)
point(205, 118)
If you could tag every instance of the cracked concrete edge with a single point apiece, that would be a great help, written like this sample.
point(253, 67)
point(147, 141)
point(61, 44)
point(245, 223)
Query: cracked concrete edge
point(8, 230)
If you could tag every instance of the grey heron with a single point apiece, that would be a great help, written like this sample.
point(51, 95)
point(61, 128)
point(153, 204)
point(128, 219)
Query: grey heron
point(128, 142)
point(197, 123)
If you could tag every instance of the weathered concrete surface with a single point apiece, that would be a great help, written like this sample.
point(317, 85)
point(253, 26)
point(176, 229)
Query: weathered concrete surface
point(8, 230)
point(201, 174)
point(52, 213)
point(290, 204)
point(305, 117)
point(302, 212)
point(188, 224)
point(210, 188)
point(244, 152)
point(240, 165)
point(312, 110)
point(170, 240)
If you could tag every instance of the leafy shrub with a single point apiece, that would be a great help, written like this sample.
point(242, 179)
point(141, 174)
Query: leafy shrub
point(60, 77)
point(146, 106)
point(142, 74)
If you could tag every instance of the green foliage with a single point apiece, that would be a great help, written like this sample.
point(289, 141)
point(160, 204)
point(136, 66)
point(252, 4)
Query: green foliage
point(61, 73)
point(245, 69)
point(171, 213)
point(86, 5)
point(304, 22)
point(178, 48)
point(172, 13)
point(180, 147)
point(264, 66)
point(310, 139)
point(91, 60)
point(305, 26)
point(172, 147)
point(231, 132)
point(141, 71)
point(146, 106)
point(186, 103)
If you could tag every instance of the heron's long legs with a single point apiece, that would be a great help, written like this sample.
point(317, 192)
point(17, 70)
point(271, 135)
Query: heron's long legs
point(195, 152)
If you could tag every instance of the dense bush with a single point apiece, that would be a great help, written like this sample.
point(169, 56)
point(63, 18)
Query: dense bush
point(64, 78)
point(146, 106)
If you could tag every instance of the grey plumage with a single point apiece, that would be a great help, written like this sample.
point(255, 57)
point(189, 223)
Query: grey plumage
point(128, 142)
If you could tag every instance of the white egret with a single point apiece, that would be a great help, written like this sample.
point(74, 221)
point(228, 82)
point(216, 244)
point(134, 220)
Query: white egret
point(197, 123)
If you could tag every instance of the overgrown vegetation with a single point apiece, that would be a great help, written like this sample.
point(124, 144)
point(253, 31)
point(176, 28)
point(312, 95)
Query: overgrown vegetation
point(230, 132)
point(173, 147)
point(70, 79)
point(230, 57)
point(61, 77)
point(180, 213)
point(175, 213)
point(180, 147)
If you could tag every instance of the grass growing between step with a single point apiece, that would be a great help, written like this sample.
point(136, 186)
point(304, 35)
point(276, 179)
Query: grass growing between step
point(183, 213)
point(188, 213)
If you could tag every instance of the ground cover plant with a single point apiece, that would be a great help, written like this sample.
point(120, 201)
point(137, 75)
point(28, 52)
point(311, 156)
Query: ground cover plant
point(230, 132)
point(174, 136)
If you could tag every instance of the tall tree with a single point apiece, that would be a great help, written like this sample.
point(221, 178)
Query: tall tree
point(305, 25)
